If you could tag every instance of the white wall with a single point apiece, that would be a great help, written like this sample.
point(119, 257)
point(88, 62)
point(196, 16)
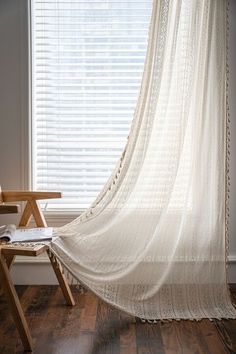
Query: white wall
point(14, 120)
point(13, 94)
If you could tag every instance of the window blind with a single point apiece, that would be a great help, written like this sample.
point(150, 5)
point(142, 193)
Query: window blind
point(87, 64)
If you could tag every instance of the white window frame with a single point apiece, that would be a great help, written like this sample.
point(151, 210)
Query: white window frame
point(62, 212)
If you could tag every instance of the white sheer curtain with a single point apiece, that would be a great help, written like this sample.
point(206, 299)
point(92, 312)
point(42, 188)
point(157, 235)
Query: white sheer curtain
point(153, 243)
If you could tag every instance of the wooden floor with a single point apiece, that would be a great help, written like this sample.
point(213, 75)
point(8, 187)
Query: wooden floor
point(94, 327)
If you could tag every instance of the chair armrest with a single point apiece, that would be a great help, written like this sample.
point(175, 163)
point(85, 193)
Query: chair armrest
point(20, 196)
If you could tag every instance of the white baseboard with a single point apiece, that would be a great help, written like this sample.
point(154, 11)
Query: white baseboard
point(33, 271)
point(232, 268)
point(38, 271)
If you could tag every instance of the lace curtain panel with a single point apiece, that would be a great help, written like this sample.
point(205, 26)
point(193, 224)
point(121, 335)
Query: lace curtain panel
point(153, 243)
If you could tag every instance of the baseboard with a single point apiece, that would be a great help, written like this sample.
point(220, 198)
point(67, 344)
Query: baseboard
point(38, 271)
point(232, 269)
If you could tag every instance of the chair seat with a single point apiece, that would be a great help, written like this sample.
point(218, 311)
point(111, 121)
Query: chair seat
point(33, 251)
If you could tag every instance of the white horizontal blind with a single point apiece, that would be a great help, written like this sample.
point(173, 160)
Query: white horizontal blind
point(87, 64)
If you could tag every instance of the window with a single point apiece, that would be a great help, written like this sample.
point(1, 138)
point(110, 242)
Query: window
point(87, 64)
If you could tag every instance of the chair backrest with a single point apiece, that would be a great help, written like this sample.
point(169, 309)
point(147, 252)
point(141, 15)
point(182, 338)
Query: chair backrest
point(7, 208)
point(1, 195)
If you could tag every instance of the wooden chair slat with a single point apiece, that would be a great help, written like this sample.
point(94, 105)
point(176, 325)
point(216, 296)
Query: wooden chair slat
point(9, 209)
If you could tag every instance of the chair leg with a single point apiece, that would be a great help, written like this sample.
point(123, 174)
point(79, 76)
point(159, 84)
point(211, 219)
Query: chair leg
point(25, 218)
point(62, 280)
point(38, 214)
point(9, 260)
point(32, 208)
point(14, 304)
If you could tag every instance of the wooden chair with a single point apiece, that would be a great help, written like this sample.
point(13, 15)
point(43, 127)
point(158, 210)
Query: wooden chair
point(8, 254)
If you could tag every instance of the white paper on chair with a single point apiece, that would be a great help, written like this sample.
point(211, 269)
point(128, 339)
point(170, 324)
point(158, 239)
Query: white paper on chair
point(6, 232)
point(9, 233)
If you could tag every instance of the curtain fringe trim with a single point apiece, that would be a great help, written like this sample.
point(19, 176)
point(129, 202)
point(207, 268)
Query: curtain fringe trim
point(82, 288)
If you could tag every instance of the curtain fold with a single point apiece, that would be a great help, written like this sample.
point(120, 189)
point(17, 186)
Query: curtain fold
point(153, 242)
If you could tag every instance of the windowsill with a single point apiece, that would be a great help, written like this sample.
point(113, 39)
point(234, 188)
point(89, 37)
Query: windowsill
point(58, 218)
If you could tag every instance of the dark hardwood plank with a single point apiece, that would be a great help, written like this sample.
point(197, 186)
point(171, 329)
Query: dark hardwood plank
point(45, 330)
point(108, 326)
point(128, 343)
point(149, 339)
point(89, 313)
point(93, 327)
point(8, 329)
point(227, 328)
point(68, 328)
point(211, 336)
point(191, 338)
point(170, 338)
point(61, 327)
point(227, 332)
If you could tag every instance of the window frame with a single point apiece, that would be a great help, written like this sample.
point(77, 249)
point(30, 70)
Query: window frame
point(68, 213)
